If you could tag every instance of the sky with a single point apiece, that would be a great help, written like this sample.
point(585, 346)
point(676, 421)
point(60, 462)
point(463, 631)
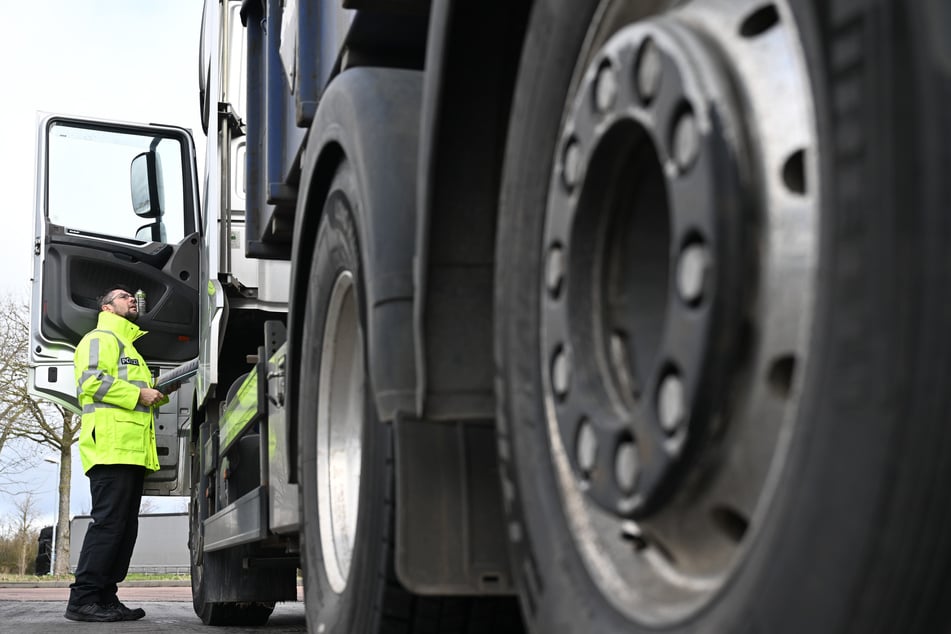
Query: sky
point(123, 60)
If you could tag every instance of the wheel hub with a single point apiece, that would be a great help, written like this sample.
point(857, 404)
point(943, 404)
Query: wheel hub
point(679, 269)
point(643, 265)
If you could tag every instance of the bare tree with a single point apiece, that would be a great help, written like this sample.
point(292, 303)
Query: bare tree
point(45, 425)
point(24, 532)
point(57, 428)
point(17, 465)
point(13, 351)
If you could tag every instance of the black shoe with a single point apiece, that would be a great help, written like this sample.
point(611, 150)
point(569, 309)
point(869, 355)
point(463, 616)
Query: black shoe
point(128, 614)
point(92, 612)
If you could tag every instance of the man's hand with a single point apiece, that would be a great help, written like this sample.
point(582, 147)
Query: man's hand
point(149, 396)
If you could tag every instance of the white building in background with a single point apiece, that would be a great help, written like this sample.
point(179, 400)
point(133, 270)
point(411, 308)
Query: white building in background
point(162, 545)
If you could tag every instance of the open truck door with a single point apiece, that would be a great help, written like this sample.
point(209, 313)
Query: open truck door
point(117, 204)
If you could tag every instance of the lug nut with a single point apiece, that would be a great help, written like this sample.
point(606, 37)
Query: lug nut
point(571, 169)
point(670, 405)
point(587, 449)
point(686, 139)
point(605, 88)
point(560, 373)
point(631, 532)
point(692, 269)
point(555, 269)
point(647, 74)
point(626, 466)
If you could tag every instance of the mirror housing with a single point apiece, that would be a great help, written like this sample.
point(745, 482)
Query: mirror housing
point(145, 175)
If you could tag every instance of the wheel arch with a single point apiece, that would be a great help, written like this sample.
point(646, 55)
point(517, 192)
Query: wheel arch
point(369, 117)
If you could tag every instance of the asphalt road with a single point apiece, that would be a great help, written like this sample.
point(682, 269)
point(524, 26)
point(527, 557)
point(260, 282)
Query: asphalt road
point(26, 610)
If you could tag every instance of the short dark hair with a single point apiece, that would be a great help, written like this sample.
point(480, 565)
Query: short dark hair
point(101, 300)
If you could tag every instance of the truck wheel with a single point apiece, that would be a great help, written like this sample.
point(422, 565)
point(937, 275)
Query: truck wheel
point(722, 317)
point(346, 459)
point(344, 488)
point(208, 569)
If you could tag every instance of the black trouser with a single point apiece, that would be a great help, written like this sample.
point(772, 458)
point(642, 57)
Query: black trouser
point(107, 549)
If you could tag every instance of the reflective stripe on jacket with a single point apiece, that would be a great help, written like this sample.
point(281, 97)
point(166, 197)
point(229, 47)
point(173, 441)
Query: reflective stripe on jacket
point(109, 371)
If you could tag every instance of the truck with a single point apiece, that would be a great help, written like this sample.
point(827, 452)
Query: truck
point(546, 316)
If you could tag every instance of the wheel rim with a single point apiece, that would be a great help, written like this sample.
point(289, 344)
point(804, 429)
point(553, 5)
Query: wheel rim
point(340, 431)
point(681, 244)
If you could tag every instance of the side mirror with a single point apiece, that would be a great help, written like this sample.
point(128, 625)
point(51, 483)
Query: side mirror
point(154, 232)
point(148, 192)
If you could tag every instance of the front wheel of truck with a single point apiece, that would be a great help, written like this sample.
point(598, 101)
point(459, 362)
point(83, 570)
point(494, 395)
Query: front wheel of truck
point(722, 316)
point(209, 570)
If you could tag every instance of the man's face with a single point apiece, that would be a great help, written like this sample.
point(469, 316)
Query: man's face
point(122, 304)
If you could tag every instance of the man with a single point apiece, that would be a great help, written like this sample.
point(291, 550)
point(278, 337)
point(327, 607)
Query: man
point(117, 448)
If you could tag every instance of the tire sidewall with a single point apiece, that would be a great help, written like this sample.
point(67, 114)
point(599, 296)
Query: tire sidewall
point(338, 250)
point(195, 518)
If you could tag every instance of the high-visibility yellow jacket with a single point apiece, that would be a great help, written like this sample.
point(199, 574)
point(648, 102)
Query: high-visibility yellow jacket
point(116, 429)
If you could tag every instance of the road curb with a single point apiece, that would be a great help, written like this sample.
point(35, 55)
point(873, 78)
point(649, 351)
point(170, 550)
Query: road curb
point(144, 583)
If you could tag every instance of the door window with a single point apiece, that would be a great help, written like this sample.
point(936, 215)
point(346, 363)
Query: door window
point(124, 185)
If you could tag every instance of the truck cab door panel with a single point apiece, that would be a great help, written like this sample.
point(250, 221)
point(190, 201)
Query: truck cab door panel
point(117, 204)
point(101, 188)
point(75, 274)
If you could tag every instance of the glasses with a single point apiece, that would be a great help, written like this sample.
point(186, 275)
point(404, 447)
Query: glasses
point(120, 296)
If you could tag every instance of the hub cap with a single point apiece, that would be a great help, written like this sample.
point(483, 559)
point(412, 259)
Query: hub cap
point(680, 241)
point(340, 431)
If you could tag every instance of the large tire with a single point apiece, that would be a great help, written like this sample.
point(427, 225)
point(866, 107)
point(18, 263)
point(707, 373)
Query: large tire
point(791, 477)
point(346, 458)
point(208, 569)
